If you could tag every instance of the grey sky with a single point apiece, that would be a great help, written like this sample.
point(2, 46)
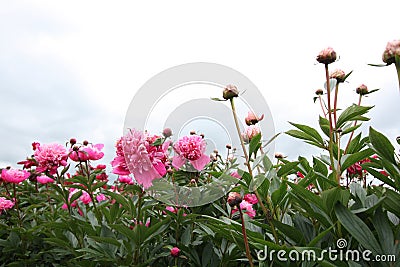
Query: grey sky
point(70, 69)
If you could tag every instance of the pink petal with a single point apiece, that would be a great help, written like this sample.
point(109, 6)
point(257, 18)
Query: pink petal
point(178, 162)
point(160, 168)
point(199, 164)
point(146, 178)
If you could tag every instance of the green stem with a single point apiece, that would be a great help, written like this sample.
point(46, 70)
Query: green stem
point(246, 156)
point(246, 241)
point(397, 64)
point(330, 147)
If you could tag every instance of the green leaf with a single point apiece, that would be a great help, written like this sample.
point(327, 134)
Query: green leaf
point(351, 113)
point(331, 196)
point(291, 232)
point(312, 134)
point(350, 159)
point(254, 144)
point(324, 125)
point(358, 229)
point(288, 168)
point(120, 199)
point(384, 231)
point(382, 145)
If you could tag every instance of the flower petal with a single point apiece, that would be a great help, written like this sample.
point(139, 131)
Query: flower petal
point(199, 164)
point(178, 162)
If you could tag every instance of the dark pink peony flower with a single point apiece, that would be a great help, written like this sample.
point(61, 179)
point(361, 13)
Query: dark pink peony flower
point(175, 252)
point(85, 198)
point(119, 163)
point(101, 197)
point(50, 157)
point(247, 208)
point(190, 148)
point(125, 179)
point(14, 176)
point(28, 163)
point(43, 179)
point(251, 198)
point(5, 204)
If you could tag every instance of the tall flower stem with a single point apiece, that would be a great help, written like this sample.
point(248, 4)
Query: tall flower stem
point(264, 209)
point(322, 106)
point(246, 156)
point(246, 241)
point(335, 104)
point(397, 64)
point(330, 147)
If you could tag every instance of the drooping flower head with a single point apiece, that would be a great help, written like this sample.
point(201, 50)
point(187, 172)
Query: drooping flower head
point(252, 118)
point(392, 49)
point(50, 157)
point(144, 161)
point(14, 176)
point(327, 56)
point(190, 148)
point(5, 204)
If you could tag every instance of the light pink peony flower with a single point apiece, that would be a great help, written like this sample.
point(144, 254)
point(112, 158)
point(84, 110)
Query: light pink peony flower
point(14, 176)
point(145, 161)
point(247, 208)
point(43, 179)
point(119, 163)
point(50, 157)
point(252, 131)
point(190, 148)
point(5, 204)
point(392, 49)
point(236, 174)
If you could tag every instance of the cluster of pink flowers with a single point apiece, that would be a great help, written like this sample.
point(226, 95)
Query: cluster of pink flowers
point(356, 169)
point(5, 204)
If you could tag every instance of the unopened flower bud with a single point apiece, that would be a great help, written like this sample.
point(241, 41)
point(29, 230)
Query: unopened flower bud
point(228, 146)
point(362, 89)
point(216, 151)
point(234, 199)
point(202, 135)
point(392, 49)
point(252, 119)
point(85, 143)
point(192, 132)
point(326, 56)
point(252, 131)
point(230, 92)
point(279, 155)
point(339, 75)
point(75, 148)
point(175, 252)
point(72, 141)
point(167, 132)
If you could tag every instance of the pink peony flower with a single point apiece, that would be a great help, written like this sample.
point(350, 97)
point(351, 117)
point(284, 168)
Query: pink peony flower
point(101, 167)
point(85, 198)
point(327, 56)
point(252, 131)
point(5, 204)
point(89, 152)
point(14, 176)
point(101, 197)
point(252, 119)
point(175, 252)
point(247, 208)
point(171, 209)
point(125, 179)
point(236, 174)
point(50, 157)
point(28, 163)
point(43, 179)
point(118, 163)
point(190, 148)
point(251, 198)
point(145, 161)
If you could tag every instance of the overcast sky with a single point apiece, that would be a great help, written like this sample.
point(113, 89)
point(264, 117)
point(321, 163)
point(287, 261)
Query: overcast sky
point(71, 68)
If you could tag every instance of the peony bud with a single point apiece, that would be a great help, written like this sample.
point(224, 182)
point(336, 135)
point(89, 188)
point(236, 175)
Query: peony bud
point(319, 92)
point(234, 199)
point(167, 132)
point(362, 89)
point(252, 131)
point(339, 75)
point(327, 56)
point(392, 49)
point(230, 92)
point(252, 119)
point(72, 141)
point(85, 143)
point(279, 155)
point(175, 252)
